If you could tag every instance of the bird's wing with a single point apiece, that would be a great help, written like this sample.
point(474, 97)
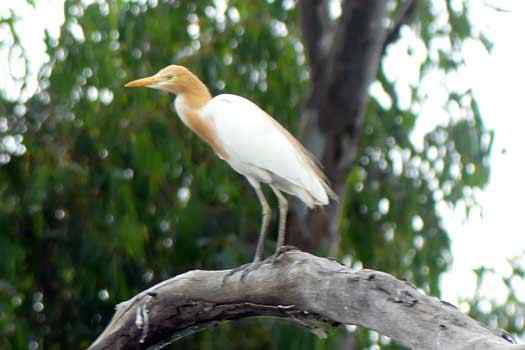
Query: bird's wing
point(250, 136)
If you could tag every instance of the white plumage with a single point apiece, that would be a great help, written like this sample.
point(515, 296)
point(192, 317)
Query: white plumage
point(262, 151)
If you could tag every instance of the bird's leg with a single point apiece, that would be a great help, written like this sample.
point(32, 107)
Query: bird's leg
point(283, 212)
point(266, 216)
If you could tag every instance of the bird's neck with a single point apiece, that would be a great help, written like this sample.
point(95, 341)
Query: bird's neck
point(192, 91)
point(196, 98)
point(189, 103)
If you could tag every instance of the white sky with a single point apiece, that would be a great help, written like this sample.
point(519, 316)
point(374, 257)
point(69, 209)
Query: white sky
point(497, 81)
point(48, 14)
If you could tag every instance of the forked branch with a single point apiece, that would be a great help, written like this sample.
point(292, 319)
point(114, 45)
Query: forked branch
point(312, 291)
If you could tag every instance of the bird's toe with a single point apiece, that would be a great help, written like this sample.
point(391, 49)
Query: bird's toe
point(250, 268)
point(284, 249)
point(245, 270)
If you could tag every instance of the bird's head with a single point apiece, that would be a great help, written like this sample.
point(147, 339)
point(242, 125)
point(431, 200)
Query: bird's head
point(173, 78)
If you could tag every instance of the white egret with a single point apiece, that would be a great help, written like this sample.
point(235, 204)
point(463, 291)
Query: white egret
point(250, 141)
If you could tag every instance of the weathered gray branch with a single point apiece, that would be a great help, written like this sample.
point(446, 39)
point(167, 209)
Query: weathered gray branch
point(312, 291)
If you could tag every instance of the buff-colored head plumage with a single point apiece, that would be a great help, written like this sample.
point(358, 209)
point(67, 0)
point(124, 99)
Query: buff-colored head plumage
point(175, 79)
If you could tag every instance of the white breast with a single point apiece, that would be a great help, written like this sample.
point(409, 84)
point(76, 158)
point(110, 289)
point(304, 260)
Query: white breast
point(180, 108)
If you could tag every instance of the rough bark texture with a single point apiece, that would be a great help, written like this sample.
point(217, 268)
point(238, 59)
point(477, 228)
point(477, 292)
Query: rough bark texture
point(312, 291)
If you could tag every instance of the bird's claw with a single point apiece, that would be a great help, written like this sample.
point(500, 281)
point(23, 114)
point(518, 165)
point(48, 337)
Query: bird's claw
point(244, 269)
point(283, 249)
point(252, 267)
point(273, 259)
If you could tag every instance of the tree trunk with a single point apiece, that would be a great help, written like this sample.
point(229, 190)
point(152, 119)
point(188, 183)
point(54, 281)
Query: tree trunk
point(314, 292)
point(344, 58)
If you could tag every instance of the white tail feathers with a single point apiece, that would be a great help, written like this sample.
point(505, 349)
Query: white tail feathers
point(315, 182)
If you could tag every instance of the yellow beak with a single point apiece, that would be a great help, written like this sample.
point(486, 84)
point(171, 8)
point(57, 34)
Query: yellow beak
point(144, 82)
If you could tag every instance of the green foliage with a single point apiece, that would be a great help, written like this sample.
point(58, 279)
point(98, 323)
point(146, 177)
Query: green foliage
point(105, 192)
point(508, 312)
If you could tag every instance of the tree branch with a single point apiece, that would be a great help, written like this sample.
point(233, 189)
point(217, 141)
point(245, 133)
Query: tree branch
point(312, 291)
point(405, 14)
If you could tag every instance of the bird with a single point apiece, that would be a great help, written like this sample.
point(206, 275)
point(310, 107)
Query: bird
point(252, 142)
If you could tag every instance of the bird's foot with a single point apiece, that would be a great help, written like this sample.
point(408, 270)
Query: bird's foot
point(283, 249)
point(252, 267)
point(244, 270)
point(273, 259)
point(280, 251)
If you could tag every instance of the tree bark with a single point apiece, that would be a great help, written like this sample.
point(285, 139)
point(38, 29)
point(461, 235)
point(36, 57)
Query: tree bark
point(314, 292)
